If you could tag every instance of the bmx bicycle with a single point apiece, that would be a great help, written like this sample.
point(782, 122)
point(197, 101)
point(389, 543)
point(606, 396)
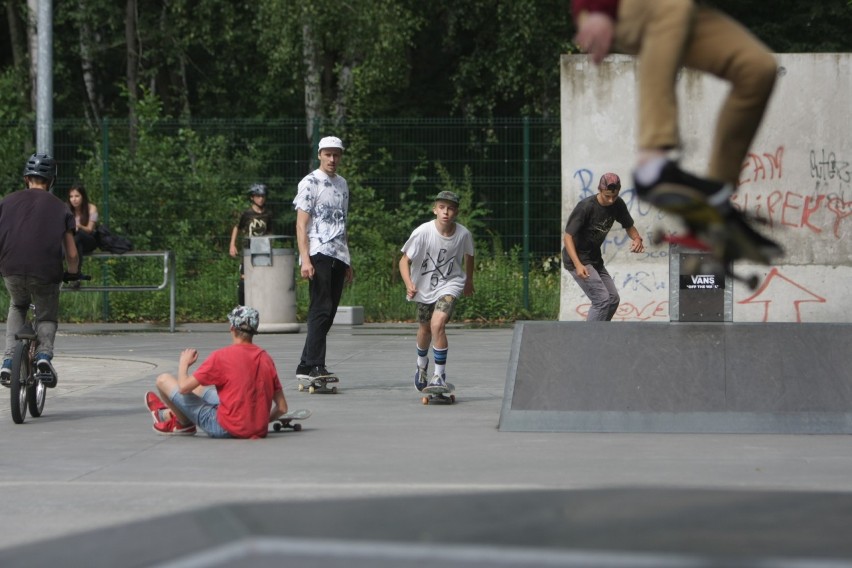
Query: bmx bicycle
point(27, 384)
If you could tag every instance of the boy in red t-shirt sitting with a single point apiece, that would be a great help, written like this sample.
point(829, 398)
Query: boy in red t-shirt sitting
point(246, 385)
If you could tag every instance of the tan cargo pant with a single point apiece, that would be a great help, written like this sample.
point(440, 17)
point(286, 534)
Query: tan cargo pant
point(668, 34)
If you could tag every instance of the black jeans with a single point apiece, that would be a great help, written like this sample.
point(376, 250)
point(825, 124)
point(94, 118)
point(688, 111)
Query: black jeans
point(86, 244)
point(325, 288)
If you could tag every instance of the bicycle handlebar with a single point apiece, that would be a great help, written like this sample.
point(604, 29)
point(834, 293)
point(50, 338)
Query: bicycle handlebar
point(74, 276)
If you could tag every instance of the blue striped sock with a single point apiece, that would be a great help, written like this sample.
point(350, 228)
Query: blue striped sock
point(440, 360)
point(422, 357)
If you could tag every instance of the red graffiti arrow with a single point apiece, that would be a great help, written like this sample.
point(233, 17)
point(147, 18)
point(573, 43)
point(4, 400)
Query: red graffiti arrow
point(782, 287)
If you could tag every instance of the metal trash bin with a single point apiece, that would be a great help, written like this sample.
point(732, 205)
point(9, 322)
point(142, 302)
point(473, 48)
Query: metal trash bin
point(270, 283)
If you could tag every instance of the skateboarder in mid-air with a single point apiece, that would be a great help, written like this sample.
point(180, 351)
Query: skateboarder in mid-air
point(437, 268)
point(668, 34)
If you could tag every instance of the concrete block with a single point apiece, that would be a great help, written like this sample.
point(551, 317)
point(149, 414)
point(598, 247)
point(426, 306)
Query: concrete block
point(349, 315)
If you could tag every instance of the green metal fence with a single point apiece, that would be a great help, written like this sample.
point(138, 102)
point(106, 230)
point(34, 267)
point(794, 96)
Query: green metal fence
point(511, 166)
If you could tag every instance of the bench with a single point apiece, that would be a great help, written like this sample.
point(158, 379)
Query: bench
point(168, 278)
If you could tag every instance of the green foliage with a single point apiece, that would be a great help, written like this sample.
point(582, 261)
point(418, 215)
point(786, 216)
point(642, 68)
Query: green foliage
point(789, 26)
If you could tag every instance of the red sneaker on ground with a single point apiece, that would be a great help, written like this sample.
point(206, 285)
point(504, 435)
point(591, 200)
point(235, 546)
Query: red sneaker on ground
point(156, 406)
point(172, 427)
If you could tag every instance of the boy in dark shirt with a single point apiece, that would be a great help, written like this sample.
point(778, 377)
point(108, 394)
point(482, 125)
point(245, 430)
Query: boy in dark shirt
point(256, 221)
point(585, 231)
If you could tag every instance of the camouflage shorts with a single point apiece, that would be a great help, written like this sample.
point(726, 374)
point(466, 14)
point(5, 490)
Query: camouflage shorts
point(444, 304)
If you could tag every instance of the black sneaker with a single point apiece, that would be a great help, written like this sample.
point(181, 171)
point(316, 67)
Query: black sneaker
point(46, 373)
point(320, 372)
point(303, 372)
point(697, 200)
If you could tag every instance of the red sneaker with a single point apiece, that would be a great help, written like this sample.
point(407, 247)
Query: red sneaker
point(172, 427)
point(156, 406)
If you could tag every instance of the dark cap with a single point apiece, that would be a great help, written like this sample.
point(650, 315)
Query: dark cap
point(448, 196)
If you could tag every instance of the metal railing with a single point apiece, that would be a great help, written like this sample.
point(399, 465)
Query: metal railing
point(167, 282)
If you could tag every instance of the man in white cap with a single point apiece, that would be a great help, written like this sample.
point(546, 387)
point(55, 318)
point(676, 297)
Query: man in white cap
point(322, 208)
point(234, 393)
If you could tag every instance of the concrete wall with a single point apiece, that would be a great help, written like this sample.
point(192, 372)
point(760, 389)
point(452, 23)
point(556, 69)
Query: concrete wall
point(798, 177)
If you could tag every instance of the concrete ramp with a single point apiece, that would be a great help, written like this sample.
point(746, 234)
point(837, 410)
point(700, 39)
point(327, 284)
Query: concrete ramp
point(679, 377)
point(617, 528)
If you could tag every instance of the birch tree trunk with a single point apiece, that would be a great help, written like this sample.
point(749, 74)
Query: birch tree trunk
point(32, 39)
point(93, 95)
point(132, 77)
point(313, 85)
point(15, 37)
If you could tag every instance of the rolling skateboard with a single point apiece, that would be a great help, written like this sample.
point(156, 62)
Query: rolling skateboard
point(693, 241)
point(286, 421)
point(443, 395)
point(318, 385)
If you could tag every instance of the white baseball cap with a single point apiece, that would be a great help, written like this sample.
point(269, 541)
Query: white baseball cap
point(330, 142)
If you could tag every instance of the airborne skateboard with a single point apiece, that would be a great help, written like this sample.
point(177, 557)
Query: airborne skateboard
point(286, 421)
point(693, 241)
point(319, 385)
point(443, 395)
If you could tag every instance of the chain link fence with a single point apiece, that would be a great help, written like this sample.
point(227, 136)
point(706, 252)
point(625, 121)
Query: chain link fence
point(179, 186)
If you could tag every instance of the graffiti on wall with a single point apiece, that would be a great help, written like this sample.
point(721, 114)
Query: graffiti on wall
point(823, 210)
point(782, 298)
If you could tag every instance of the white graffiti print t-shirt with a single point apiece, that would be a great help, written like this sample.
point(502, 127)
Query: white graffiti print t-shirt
point(326, 199)
point(437, 262)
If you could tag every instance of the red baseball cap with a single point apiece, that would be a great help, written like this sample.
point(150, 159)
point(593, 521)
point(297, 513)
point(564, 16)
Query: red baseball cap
point(610, 181)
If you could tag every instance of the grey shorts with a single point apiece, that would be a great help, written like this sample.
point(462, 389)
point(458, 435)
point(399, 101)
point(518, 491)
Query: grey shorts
point(446, 304)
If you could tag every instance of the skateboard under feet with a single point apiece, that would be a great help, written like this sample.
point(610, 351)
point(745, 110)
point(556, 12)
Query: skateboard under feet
point(320, 385)
point(441, 395)
point(286, 421)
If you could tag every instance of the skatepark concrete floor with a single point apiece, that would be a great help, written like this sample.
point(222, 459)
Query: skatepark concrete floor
point(376, 478)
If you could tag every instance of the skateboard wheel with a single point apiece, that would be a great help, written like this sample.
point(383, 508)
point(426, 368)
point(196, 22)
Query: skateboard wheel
point(452, 398)
point(277, 426)
point(312, 390)
point(301, 388)
point(425, 400)
point(297, 427)
point(333, 390)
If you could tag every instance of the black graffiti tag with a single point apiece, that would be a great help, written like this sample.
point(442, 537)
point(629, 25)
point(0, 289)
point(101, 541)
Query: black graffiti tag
point(440, 269)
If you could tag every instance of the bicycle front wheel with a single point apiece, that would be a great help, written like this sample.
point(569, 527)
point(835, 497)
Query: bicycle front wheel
point(21, 370)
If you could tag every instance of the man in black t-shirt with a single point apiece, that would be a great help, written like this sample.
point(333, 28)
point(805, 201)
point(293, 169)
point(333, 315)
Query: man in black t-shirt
point(35, 226)
point(585, 232)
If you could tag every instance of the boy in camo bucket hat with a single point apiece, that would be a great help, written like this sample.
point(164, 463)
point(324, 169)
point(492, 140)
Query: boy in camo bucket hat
point(229, 395)
point(244, 319)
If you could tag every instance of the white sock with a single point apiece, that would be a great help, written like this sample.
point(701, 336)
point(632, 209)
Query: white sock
point(648, 172)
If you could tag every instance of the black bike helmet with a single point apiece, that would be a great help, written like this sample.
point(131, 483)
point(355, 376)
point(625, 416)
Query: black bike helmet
point(41, 165)
point(257, 189)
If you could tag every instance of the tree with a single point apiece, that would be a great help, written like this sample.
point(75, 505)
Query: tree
point(348, 59)
point(505, 54)
point(788, 26)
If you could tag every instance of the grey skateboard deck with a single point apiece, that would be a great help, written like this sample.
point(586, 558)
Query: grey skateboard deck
point(286, 421)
